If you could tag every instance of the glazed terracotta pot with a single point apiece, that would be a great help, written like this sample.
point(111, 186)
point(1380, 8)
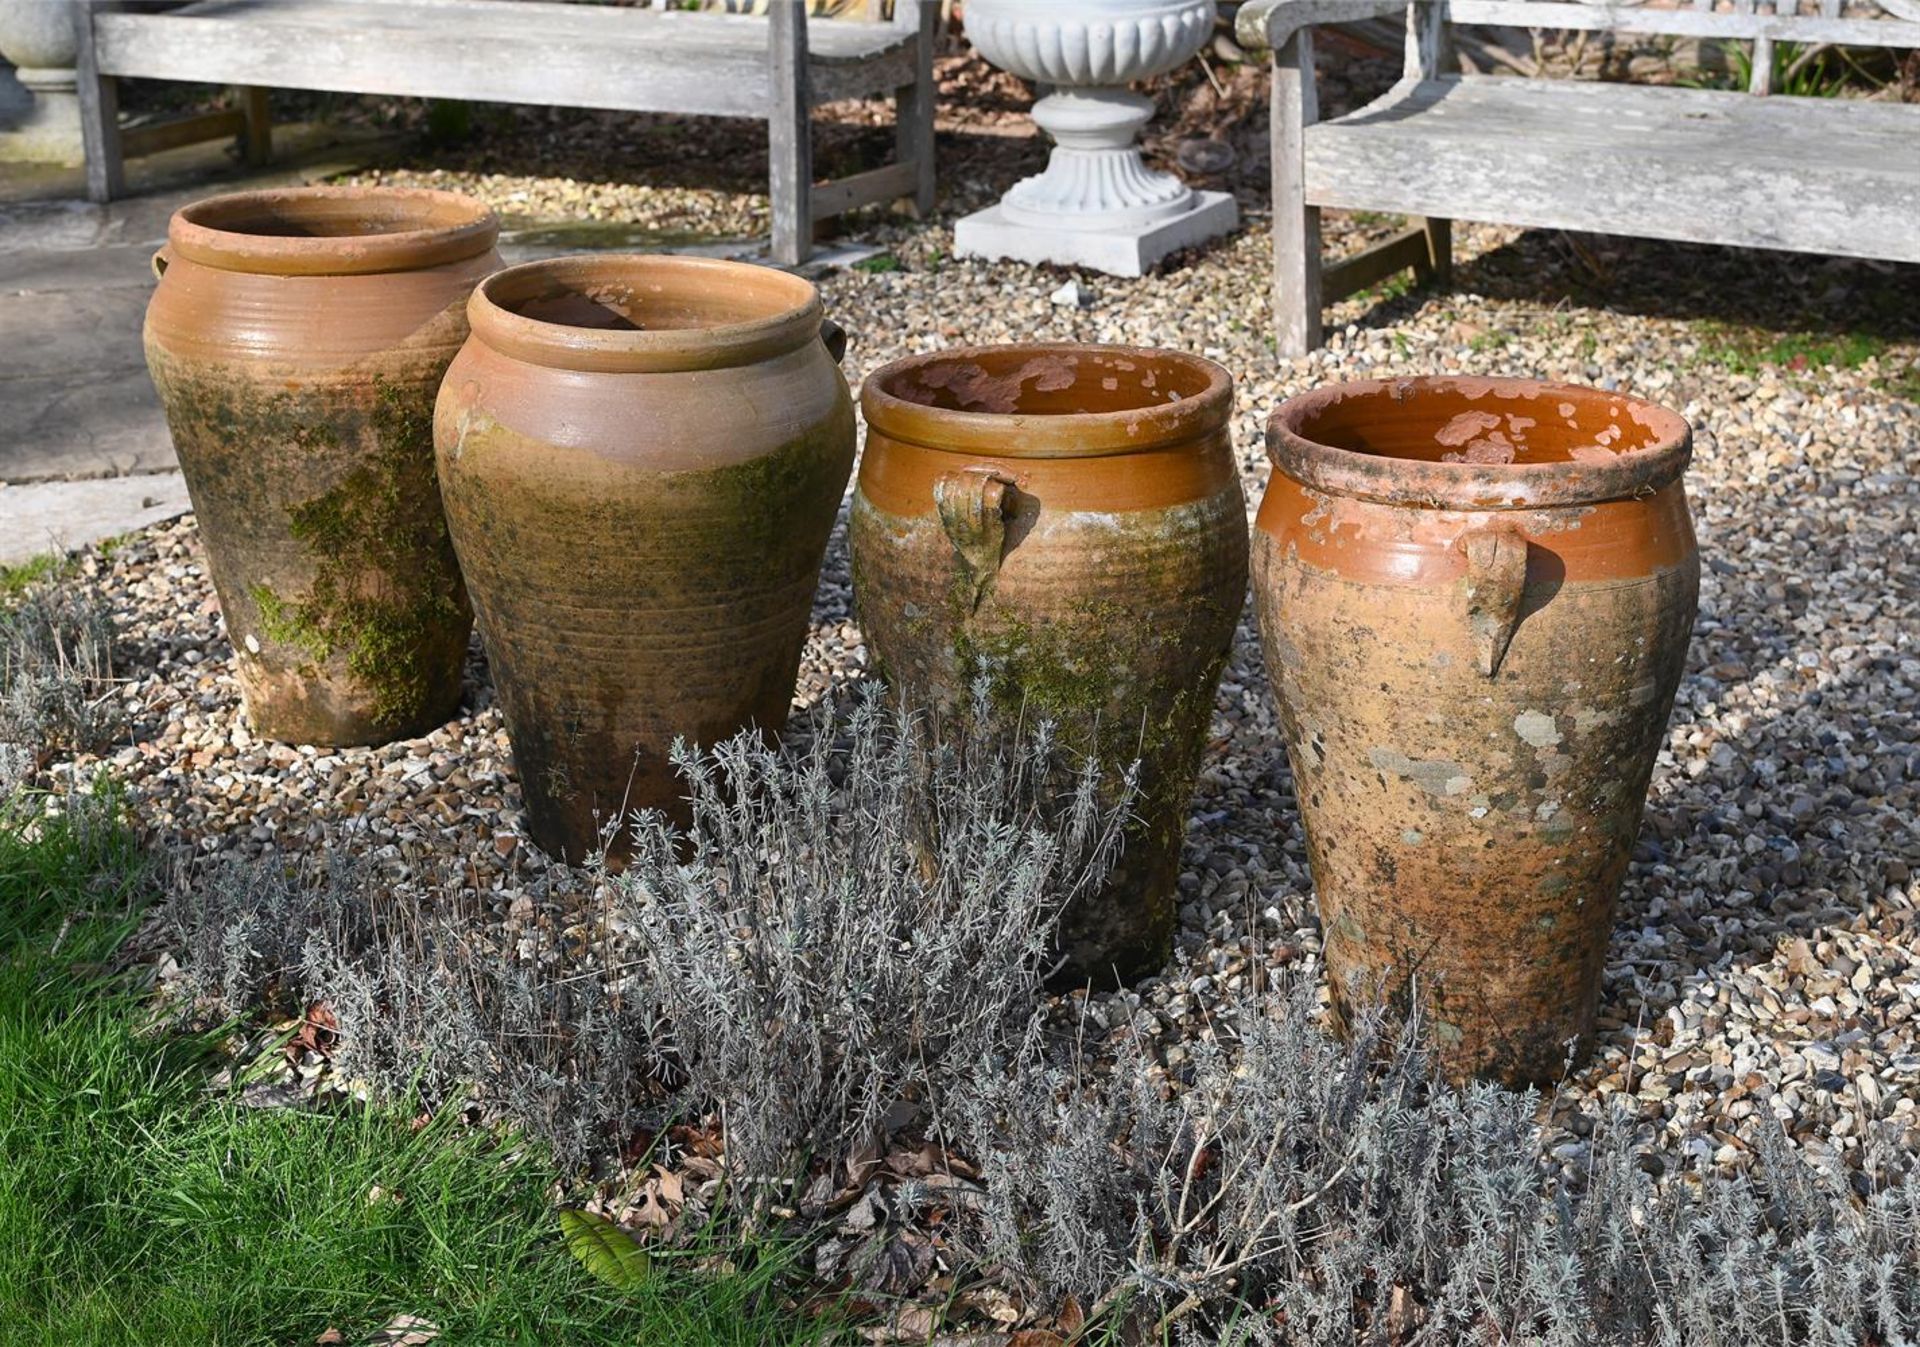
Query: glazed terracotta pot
point(1067, 523)
point(642, 458)
point(297, 339)
point(1475, 597)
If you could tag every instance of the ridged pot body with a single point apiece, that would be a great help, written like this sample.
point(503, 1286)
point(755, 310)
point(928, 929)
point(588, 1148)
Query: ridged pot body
point(1475, 598)
point(643, 536)
point(1069, 526)
point(298, 370)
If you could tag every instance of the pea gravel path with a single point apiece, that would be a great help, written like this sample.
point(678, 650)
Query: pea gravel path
point(1765, 967)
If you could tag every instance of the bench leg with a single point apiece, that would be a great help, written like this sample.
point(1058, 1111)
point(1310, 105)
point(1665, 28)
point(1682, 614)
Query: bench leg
point(790, 137)
point(1296, 225)
point(99, 123)
point(256, 141)
point(913, 113)
point(1296, 280)
point(1439, 251)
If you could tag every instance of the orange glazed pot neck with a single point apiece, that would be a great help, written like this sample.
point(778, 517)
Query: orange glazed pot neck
point(1477, 444)
point(1048, 401)
point(633, 313)
point(332, 231)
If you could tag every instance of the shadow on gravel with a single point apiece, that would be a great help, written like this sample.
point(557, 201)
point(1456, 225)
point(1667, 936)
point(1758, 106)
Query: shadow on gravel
point(1753, 307)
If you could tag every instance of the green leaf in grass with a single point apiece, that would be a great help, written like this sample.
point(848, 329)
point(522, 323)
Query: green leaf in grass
point(608, 1252)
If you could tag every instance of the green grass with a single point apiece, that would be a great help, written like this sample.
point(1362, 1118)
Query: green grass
point(16, 579)
point(1798, 71)
point(138, 1207)
point(1396, 286)
point(1750, 350)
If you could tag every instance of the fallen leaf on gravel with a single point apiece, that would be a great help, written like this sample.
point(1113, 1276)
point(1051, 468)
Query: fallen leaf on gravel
point(991, 1302)
point(1072, 1318)
point(916, 1323)
point(318, 1032)
point(903, 1263)
point(869, 1211)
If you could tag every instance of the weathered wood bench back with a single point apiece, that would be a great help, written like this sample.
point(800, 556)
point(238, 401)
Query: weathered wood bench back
point(774, 67)
point(1853, 23)
point(1822, 175)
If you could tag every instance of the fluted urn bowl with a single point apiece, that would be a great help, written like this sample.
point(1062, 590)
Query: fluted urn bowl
point(1088, 42)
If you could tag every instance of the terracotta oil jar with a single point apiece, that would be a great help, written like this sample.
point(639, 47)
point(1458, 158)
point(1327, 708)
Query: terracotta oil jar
point(297, 339)
point(1067, 523)
point(642, 458)
point(1475, 597)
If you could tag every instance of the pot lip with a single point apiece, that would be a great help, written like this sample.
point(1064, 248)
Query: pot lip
point(1476, 486)
point(1017, 435)
point(657, 350)
point(451, 227)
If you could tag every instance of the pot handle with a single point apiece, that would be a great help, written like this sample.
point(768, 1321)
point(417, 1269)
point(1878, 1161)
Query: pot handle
point(160, 260)
point(1495, 585)
point(973, 504)
point(835, 338)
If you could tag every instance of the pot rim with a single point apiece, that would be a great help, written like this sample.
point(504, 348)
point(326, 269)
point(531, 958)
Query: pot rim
point(646, 350)
point(1018, 435)
point(1476, 486)
point(435, 228)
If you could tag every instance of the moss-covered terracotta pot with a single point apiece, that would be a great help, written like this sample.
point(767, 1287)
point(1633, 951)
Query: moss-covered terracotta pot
point(1067, 523)
point(1475, 597)
point(642, 458)
point(297, 339)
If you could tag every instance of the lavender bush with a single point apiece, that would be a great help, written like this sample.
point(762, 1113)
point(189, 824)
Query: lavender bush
point(854, 932)
point(1302, 1191)
point(845, 932)
point(840, 927)
point(56, 670)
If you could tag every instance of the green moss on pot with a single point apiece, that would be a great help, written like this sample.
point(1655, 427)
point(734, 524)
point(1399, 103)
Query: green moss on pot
point(369, 592)
point(385, 591)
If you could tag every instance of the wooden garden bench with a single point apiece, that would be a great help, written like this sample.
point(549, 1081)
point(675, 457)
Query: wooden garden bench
point(1816, 175)
point(774, 66)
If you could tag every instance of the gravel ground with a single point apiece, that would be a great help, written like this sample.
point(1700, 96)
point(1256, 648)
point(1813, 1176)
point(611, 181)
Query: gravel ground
point(1765, 968)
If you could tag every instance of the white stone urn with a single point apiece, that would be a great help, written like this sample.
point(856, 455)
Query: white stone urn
point(39, 37)
point(1098, 204)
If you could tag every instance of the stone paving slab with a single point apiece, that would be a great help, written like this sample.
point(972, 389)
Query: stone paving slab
point(60, 516)
point(75, 278)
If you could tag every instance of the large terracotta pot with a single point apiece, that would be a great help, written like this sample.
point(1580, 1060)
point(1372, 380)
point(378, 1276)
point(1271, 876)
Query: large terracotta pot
point(642, 459)
point(1067, 523)
point(297, 339)
point(1475, 597)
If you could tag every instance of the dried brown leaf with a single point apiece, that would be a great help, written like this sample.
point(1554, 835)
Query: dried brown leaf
point(900, 1266)
point(403, 1330)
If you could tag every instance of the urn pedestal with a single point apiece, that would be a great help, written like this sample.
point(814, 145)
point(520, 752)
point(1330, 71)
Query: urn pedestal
point(1097, 204)
point(39, 98)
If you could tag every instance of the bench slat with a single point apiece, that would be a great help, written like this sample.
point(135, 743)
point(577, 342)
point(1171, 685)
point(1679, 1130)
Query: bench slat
point(1805, 175)
point(490, 51)
point(522, 24)
point(1744, 22)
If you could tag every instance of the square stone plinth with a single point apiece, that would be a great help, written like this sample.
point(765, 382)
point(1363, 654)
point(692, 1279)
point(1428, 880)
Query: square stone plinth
point(1117, 252)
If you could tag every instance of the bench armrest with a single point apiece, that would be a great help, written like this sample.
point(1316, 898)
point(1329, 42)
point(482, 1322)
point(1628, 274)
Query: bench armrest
point(1270, 23)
